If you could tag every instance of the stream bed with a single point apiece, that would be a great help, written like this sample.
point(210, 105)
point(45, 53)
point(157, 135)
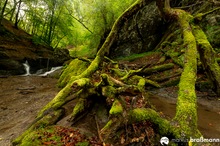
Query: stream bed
point(164, 100)
point(21, 98)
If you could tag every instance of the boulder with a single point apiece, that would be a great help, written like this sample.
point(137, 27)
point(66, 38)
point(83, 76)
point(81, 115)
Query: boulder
point(140, 33)
point(11, 67)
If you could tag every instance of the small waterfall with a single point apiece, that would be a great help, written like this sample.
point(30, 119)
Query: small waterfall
point(53, 69)
point(27, 68)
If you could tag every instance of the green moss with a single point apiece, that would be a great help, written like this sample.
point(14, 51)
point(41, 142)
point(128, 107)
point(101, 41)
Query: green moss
point(75, 68)
point(186, 112)
point(92, 67)
point(82, 143)
point(118, 72)
point(172, 82)
point(79, 108)
point(130, 73)
point(109, 91)
point(173, 53)
point(142, 114)
point(141, 84)
point(38, 137)
point(107, 126)
point(208, 58)
point(106, 80)
point(30, 139)
point(57, 101)
point(116, 108)
point(40, 124)
point(158, 68)
point(82, 82)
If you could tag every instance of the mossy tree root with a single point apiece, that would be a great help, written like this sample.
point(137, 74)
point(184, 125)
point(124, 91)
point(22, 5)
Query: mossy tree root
point(208, 58)
point(163, 126)
point(146, 114)
point(186, 110)
point(147, 71)
point(72, 74)
point(83, 104)
point(186, 113)
point(157, 68)
point(49, 119)
point(52, 111)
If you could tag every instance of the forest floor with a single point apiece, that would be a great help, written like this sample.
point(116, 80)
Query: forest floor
point(22, 97)
point(20, 100)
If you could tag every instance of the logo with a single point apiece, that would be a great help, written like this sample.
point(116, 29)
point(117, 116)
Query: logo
point(164, 140)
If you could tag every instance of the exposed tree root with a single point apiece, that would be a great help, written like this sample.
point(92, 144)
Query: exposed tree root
point(125, 93)
point(48, 119)
point(207, 57)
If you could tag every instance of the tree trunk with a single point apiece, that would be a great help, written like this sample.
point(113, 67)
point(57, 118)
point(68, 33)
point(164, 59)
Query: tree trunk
point(193, 36)
point(208, 58)
point(17, 14)
point(13, 10)
point(3, 10)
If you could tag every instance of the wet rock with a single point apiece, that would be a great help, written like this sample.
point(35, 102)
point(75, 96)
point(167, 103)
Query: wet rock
point(10, 66)
point(17, 46)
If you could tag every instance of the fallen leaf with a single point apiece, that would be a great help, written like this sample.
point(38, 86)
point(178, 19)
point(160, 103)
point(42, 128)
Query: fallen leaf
point(71, 134)
point(47, 143)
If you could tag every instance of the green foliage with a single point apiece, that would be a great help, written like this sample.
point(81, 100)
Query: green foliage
point(37, 40)
point(83, 51)
point(62, 23)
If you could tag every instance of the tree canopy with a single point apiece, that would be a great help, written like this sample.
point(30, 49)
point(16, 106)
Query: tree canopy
point(65, 23)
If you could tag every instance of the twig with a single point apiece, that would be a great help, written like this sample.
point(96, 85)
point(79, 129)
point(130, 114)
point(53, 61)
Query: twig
point(98, 129)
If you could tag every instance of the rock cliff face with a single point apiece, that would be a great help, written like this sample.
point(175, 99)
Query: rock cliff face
point(17, 46)
point(144, 30)
point(141, 33)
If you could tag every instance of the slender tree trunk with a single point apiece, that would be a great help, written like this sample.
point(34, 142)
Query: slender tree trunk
point(13, 10)
point(17, 14)
point(3, 10)
point(50, 28)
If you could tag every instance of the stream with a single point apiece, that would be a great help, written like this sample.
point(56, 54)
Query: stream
point(164, 100)
point(21, 98)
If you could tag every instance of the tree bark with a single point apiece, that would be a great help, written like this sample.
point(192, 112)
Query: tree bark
point(17, 14)
point(3, 10)
point(186, 110)
point(208, 58)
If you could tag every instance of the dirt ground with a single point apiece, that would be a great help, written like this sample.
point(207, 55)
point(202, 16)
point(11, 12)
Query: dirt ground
point(22, 97)
point(20, 100)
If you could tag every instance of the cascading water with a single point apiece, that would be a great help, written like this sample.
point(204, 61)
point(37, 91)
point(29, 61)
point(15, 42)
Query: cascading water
point(53, 69)
point(27, 68)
